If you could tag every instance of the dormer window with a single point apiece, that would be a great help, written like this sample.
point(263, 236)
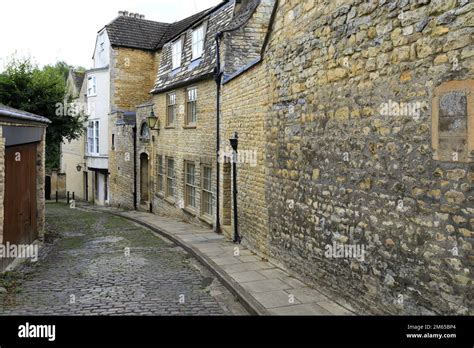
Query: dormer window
point(177, 50)
point(198, 41)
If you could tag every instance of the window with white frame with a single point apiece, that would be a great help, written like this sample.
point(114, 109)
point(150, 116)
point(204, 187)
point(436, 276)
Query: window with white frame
point(176, 53)
point(161, 173)
point(206, 194)
point(171, 109)
point(91, 86)
point(190, 172)
point(191, 106)
point(170, 177)
point(93, 137)
point(198, 41)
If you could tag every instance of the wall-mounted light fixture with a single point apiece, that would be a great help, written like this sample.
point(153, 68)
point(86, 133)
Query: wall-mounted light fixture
point(153, 121)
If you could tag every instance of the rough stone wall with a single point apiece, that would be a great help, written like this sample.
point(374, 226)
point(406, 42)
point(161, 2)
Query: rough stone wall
point(244, 45)
point(245, 101)
point(132, 81)
point(121, 164)
point(186, 144)
point(341, 170)
point(132, 77)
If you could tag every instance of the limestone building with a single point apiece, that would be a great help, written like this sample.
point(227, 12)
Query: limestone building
point(366, 120)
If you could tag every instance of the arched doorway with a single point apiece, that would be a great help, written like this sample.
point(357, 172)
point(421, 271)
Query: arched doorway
point(144, 179)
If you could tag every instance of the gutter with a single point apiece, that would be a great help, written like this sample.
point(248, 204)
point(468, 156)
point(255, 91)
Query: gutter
point(179, 84)
point(24, 117)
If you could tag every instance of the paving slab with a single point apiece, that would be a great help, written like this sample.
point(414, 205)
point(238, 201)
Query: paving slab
point(265, 285)
point(249, 276)
point(302, 309)
point(274, 299)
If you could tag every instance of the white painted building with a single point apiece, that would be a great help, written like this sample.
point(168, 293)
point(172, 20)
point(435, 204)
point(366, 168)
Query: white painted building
point(97, 82)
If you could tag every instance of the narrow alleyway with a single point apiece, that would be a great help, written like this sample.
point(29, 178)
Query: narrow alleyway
point(99, 264)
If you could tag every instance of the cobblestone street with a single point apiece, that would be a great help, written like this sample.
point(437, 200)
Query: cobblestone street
point(99, 264)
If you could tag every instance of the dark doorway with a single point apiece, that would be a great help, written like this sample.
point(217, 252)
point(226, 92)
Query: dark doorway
point(144, 179)
point(47, 188)
point(20, 194)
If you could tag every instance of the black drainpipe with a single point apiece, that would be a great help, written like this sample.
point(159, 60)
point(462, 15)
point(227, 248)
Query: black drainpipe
point(134, 130)
point(218, 79)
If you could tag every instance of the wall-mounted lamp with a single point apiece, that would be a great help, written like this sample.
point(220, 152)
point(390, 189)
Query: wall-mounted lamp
point(153, 121)
point(79, 167)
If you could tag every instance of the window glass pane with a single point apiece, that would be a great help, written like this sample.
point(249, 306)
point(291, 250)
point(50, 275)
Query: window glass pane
point(176, 54)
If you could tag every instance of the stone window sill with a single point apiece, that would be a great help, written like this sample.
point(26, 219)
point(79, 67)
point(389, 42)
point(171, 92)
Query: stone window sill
point(170, 200)
point(190, 126)
point(189, 211)
point(207, 219)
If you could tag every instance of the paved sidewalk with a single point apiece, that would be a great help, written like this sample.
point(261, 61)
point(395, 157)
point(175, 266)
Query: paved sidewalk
point(262, 287)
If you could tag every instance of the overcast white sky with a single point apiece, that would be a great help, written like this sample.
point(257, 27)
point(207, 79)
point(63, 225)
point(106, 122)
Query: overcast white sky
point(52, 30)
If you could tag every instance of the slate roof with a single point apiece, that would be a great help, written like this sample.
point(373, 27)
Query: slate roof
point(177, 28)
point(10, 112)
point(78, 78)
point(217, 18)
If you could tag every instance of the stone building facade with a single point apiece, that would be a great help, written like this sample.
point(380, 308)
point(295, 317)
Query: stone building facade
point(183, 153)
point(349, 154)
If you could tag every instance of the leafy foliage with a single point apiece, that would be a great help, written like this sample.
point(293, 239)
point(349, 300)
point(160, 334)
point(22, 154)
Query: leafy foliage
point(25, 86)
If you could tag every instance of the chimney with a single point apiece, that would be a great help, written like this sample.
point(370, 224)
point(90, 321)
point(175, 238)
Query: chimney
point(142, 16)
point(120, 13)
point(125, 13)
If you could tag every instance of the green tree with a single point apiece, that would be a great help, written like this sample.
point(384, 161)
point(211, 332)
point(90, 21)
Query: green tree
point(23, 85)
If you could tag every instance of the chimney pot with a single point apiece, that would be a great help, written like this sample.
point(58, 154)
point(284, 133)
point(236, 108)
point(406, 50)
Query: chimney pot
point(125, 13)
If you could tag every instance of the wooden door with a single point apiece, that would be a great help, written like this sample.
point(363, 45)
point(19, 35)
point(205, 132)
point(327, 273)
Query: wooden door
point(20, 194)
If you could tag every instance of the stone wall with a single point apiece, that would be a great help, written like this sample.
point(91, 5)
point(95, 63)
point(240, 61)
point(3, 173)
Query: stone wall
point(243, 45)
point(341, 169)
point(245, 101)
point(132, 77)
point(196, 144)
point(121, 163)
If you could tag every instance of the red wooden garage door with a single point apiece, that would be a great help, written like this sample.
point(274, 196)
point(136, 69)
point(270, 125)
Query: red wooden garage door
point(20, 194)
